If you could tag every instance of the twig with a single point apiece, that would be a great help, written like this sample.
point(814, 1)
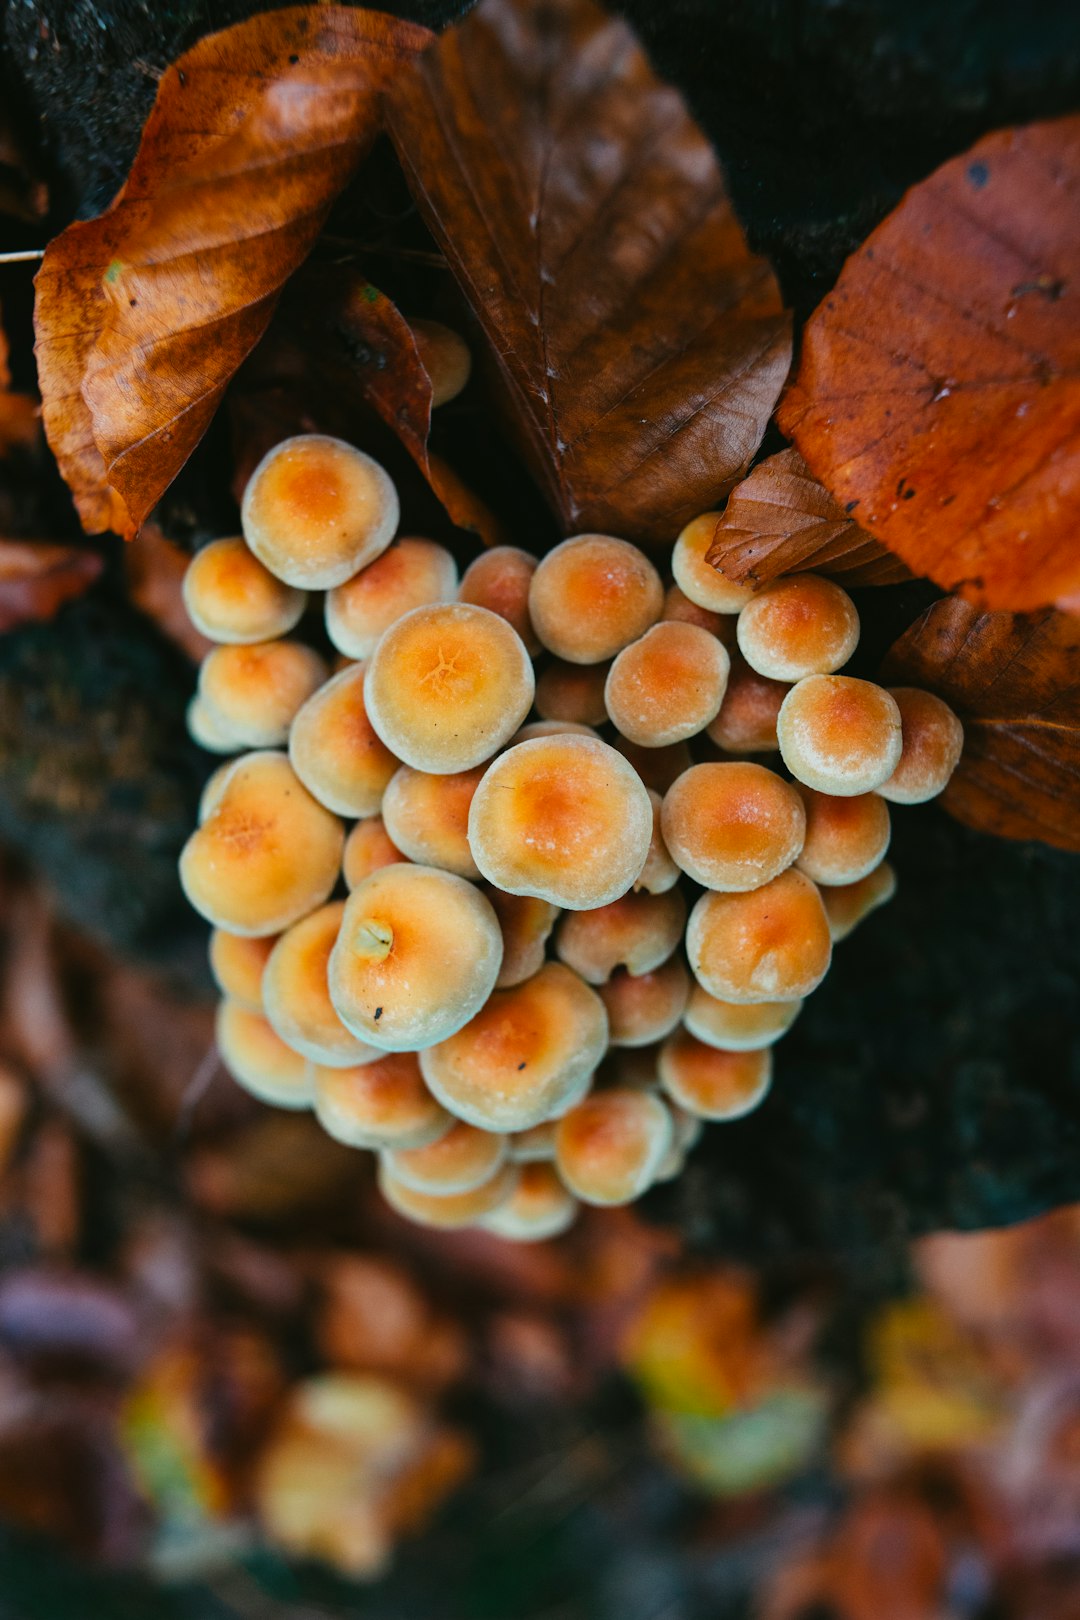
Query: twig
point(23, 256)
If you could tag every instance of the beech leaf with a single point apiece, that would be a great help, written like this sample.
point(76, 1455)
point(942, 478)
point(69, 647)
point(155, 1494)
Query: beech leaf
point(639, 346)
point(1014, 680)
point(36, 580)
point(938, 396)
point(144, 314)
point(780, 520)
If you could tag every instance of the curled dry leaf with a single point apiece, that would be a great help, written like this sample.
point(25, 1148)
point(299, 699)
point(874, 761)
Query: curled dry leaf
point(36, 580)
point(144, 314)
point(780, 520)
point(1015, 682)
point(938, 396)
point(639, 345)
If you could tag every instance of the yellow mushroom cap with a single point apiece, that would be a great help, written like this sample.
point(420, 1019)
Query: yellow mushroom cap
point(846, 905)
point(522, 1054)
point(335, 750)
point(455, 1163)
point(368, 847)
point(572, 692)
point(539, 1207)
point(668, 685)
point(258, 1059)
point(296, 992)
point(564, 818)
point(448, 1211)
point(417, 956)
point(738, 1026)
point(254, 692)
point(384, 1104)
point(746, 723)
point(526, 923)
point(660, 873)
point(237, 964)
point(645, 1007)
point(499, 580)
point(698, 579)
point(732, 825)
point(316, 510)
point(636, 932)
point(845, 838)
point(209, 730)
point(410, 573)
point(771, 944)
point(448, 685)
point(593, 595)
point(230, 596)
point(840, 735)
point(933, 740)
point(609, 1148)
point(427, 816)
point(800, 625)
point(445, 357)
point(710, 1083)
point(266, 855)
point(213, 788)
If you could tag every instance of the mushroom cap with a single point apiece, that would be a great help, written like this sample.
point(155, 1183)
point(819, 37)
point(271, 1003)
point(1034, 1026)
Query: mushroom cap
point(699, 580)
point(296, 992)
point(523, 1054)
point(845, 838)
point(258, 1059)
point(668, 685)
point(417, 956)
point(552, 728)
point(592, 595)
point(526, 923)
point(746, 723)
point(237, 964)
point(660, 873)
point(609, 1148)
point(448, 685)
point(213, 788)
point(645, 1007)
point(335, 750)
point(208, 730)
point(847, 904)
point(499, 580)
point(710, 1083)
point(686, 1133)
point(732, 825)
point(657, 767)
point(367, 848)
point(840, 735)
point(410, 573)
point(771, 944)
point(445, 357)
point(254, 692)
point(384, 1104)
point(636, 932)
point(573, 692)
point(932, 742)
point(448, 1212)
point(738, 1026)
point(462, 1159)
point(539, 1207)
point(534, 1146)
point(316, 510)
point(231, 597)
point(802, 624)
point(678, 608)
point(266, 855)
point(427, 817)
point(564, 818)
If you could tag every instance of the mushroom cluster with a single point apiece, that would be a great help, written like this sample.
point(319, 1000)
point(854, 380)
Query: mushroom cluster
point(576, 907)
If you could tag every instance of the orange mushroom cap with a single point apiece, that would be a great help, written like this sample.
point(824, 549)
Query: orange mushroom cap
point(231, 597)
point(258, 1059)
point(637, 932)
point(237, 964)
point(427, 816)
point(746, 723)
point(573, 692)
point(499, 580)
point(459, 1161)
point(668, 685)
point(932, 742)
point(738, 1026)
point(698, 579)
point(254, 692)
point(679, 608)
point(335, 750)
point(609, 1148)
point(593, 595)
point(367, 848)
point(771, 944)
point(448, 1211)
point(802, 624)
point(710, 1083)
point(384, 1104)
point(660, 873)
point(845, 837)
point(445, 357)
point(526, 923)
point(539, 1207)
point(732, 825)
point(410, 573)
point(840, 735)
point(847, 904)
point(645, 1007)
point(296, 992)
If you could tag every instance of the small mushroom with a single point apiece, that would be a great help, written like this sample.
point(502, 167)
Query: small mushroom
point(732, 825)
point(208, 730)
point(840, 735)
point(427, 817)
point(499, 580)
point(335, 750)
point(448, 1211)
point(668, 685)
point(800, 625)
point(660, 873)
point(636, 932)
point(231, 597)
point(770, 944)
point(254, 692)
point(526, 923)
point(593, 595)
point(738, 1026)
point(645, 1007)
point(367, 848)
point(679, 609)
point(410, 573)
point(237, 964)
point(845, 837)
point(573, 692)
point(378, 1105)
point(534, 1146)
point(458, 1162)
point(746, 723)
point(316, 510)
point(657, 767)
point(710, 1083)
point(933, 740)
point(539, 1207)
point(258, 1059)
point(847, 904)
point(699, 580)
point(296, 992)
point(445, 357)
point(609, 1148)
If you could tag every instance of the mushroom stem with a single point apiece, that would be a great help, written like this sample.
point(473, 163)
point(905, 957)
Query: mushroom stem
point(373, 940)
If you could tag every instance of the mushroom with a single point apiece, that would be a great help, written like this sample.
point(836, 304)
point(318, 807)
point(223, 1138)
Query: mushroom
point(710, 1083)
point(448, 685)
point(637, 932)
point(377, 1105)
point(660, 873)
point(738, 1026)
point(253, 692)
point(592, 596)
point(209, 731)
point(845, 838)
point(539, 1207)
point(732, 825)
point(237, 964)
point(458, 1162)
point(316, 510)
point(526, 923)
point(645, 1007)
point(573, 692)
point(657, 767)
point(746, 723)
point(846, 905)
point(699, 580)
point(499, 580)
point(367, 848)
point(335, 750)
point(840, 735)
point(609, 1148)
point(427, 817)
point(448, 1211)
point(932, 742)
point(534, 1146)
point(258, 1059)
point(296, 993)
point(800, 625)
point(552, 728)
point(668, 685)
point(231, 597)
point(410, 573)
point(679, 609)
point(770, 944)
point(445, 357)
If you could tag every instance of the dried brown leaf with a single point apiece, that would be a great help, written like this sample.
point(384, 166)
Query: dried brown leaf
point(36, 580)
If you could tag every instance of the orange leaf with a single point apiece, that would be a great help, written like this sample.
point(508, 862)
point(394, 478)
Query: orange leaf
point(638, 343)
point(36, 580)
point(780, 520)
point(1015, 682)
point(144, 314)
point(938, 396)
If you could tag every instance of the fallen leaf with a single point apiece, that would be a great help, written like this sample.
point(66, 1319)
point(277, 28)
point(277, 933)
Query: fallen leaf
point(780, 520)
point(638, 343)
point(1014, 680)
point(938, 396)
point(36, 580)
point(155, 570)
point(144, 314)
